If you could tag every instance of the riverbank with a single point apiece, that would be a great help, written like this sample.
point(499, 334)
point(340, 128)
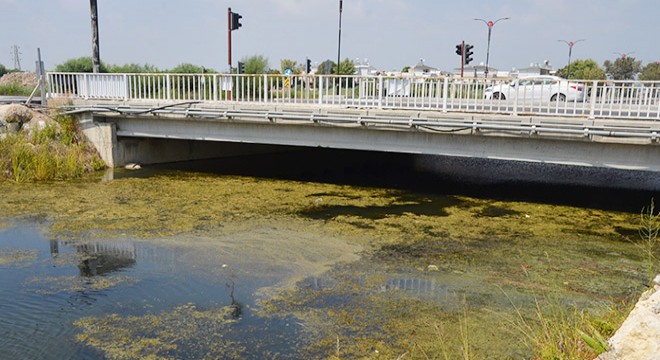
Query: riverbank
point(38, 145)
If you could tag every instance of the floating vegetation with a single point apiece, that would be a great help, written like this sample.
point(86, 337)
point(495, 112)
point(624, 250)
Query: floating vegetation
point(16, 256)
point(49, 285)
point(183, 333)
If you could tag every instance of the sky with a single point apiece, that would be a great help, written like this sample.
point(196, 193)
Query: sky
point(390, 34)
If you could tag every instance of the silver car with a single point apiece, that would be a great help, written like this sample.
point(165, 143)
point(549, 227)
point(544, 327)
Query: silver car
point(542, 88)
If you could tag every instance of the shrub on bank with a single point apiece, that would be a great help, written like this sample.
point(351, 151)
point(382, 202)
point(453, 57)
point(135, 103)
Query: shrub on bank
point(54, 152)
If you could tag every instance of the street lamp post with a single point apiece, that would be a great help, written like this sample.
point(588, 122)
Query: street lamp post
point(490, 25)
point(570, 51)
point(341, 3)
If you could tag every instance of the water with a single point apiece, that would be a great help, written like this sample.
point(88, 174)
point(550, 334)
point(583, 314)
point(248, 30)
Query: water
point(301, 255)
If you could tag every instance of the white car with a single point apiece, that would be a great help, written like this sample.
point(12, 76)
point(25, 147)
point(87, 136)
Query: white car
point(541, 88)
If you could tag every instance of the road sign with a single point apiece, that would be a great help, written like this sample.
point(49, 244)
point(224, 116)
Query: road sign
point(288, 72)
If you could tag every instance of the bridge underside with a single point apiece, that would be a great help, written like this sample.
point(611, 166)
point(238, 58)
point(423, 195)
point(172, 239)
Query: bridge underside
point(157, 139)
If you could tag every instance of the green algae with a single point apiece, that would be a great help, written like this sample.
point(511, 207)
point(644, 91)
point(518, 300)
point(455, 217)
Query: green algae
point(184, 332)
point(17, 256)
point(482, 248)
point(49, 285)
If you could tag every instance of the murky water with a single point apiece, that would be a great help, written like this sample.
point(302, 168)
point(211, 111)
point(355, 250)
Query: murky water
point(344, 258)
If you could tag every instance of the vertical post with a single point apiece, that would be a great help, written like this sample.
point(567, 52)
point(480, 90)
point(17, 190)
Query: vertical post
point(96, 57)
point(127, 93)
point(320, 90)
point(462, 57)
point(594, 95)
point(229, 49)
point(445, 94)
point(380, 91)
point(42, 77)
point(266, 88)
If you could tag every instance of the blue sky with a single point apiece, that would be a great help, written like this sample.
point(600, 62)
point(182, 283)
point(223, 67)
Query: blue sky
point(390, 33)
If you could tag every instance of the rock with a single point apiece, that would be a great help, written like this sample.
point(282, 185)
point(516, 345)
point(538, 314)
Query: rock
point(133, 166)
point(639, 336)
point(15, 113)
point(432, 268)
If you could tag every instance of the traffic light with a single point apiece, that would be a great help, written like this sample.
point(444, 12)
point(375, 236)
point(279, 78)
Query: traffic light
point(235, 21)
point(308, 66)
point(241, 67)
point(468, 53)
point(459, 49)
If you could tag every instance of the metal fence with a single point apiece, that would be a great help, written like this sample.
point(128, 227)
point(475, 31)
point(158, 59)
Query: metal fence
point(574, 98)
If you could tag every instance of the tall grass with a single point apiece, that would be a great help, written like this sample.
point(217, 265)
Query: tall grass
point(15, 89)
point(55, 152)
point(648, 232)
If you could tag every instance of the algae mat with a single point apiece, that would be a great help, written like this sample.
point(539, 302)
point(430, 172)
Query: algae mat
point(430, 264)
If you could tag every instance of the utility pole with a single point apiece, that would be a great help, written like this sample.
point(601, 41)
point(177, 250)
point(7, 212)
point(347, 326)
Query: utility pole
point(16, 55)
point(96, 57)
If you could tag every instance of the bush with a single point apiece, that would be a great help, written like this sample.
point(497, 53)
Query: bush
point(15, 89)
point(81, 64)
point(133, 69)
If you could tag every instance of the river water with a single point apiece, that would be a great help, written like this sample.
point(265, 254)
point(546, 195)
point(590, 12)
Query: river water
point(304, 255)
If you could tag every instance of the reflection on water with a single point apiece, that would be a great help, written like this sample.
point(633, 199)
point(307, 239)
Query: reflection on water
point(68, 280)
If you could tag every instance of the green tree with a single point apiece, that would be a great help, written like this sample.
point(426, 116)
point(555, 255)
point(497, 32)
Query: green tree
point(346, 67)
point(651, 71)
point(583, 70)
point(255, 64)
point(405, 69)
point(81, 64)
point(623, 68)
point(290, 64)
point(326, 67)
point(187, 68)
point(132, 68)
point(3, 70)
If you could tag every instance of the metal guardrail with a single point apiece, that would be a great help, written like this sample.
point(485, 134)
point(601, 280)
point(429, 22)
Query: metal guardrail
point(602, 99)
point(577, 128)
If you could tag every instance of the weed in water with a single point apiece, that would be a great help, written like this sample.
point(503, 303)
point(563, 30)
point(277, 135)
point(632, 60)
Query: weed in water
point(648, 231)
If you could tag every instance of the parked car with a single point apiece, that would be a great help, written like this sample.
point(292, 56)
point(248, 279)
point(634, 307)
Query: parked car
point(541, 88)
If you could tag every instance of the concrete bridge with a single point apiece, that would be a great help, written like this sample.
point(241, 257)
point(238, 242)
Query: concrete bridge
point(151, 118)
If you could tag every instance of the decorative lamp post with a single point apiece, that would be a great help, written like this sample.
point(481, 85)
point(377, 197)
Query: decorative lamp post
point(490, 25)
point(570, 51)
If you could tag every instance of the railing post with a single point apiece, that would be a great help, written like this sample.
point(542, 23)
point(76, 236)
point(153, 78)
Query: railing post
point(266, 88)
point(594, 94)
point(320, 90)
point(215, 87)
point(445, 94)
point(168, 84)
point(127, 91)
point(515, 99)
point(380, 91)
point(86, 81)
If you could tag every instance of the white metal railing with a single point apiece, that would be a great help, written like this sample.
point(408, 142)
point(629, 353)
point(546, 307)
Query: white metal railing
point(574, 98)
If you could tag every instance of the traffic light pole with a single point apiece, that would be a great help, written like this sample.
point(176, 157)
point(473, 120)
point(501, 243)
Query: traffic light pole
point(462, 57)
point(229, 37)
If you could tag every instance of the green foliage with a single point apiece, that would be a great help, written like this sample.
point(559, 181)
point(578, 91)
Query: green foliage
point(405, 69)
point(583, 70)
point(292, 65)
point(326, 68)
point(3, 70)
point(133, 69)
point(81, 64)
point(15, 89)
point(346, 67)
point(255, 64)
point(52, 153)
point(651, 71)
point(187, 68)
point(623, 68)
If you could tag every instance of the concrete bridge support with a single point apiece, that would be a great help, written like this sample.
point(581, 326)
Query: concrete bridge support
point(118, 151)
